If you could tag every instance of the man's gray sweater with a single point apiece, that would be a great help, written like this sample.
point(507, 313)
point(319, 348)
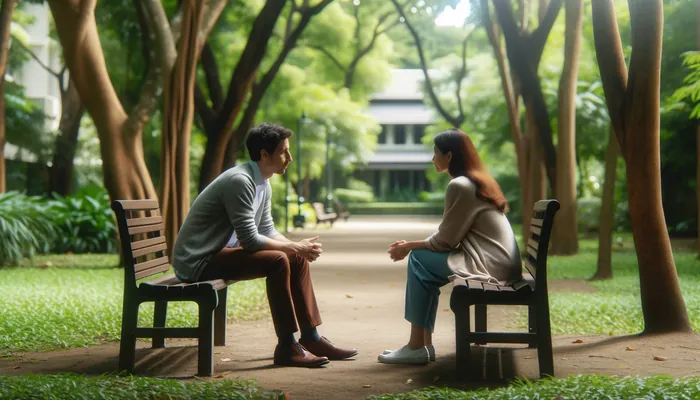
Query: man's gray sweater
point(225, 206)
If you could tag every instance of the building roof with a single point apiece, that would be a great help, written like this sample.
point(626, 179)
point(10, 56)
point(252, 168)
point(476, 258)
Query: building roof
point(399, 160)
point(406, 84)
point(401, 113)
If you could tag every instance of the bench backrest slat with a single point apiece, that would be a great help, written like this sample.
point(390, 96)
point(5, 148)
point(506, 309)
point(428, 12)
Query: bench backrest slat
point(144, 247)
point(538, 243)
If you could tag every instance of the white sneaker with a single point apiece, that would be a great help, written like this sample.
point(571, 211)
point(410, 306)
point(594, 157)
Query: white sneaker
point(431, 352)
point(405, 355)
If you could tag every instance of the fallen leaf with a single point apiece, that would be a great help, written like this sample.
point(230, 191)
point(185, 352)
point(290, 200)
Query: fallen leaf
point(393, 284)
point(16, 367)
point(221, 375)
point(564, 358)
point(369, 306)
point(225, 359)
point(366, 386)
point(577, 341)
point(217, 352)
point(629, 348)
point(528, 357)
point(348, 296)
point(437, 378)
point(445, 309)
point(575, 365)
point(659, 358)
point(409, 381)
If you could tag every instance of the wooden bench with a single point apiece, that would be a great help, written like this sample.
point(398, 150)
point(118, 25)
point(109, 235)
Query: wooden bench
point(322, 215)
point(531, 291)
point(341, 210)
point(144, 251)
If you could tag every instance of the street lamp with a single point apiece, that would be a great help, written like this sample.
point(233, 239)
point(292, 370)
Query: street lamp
point(299, 219)
point(329, 177)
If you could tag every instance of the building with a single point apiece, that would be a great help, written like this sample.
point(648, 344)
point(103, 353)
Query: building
point(398, 167)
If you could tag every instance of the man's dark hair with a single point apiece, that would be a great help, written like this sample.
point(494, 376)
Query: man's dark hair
point(265, 136)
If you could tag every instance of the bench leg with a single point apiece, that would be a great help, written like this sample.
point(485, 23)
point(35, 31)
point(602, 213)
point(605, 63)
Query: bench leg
point(205, 353)
point(220, 319)
point(531, 322)
point(127, 345)
point(462, 342)
point(544, 342)
point(159, 316)
point(480, 319)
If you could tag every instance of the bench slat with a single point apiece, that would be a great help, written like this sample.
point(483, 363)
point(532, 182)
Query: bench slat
point(146, 228)
point(536, 221)
point(534, 243)
point(152, 271)
point(148, 242)
point(151, 263)
point(144, 221)
point(532, 252)
point(490, 288)
point(475, 285)
point(536, 230)
point(139, 204)
point(531, 267)
point(540, 205)
point(150, 249)
point(506, 289)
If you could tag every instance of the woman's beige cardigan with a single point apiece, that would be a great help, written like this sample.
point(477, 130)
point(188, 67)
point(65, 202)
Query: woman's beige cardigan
point(478, 235)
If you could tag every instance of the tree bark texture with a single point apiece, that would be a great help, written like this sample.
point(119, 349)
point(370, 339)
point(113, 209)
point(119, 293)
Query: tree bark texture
point(5, 22)
point(177, 124)
point(124, 168)
point(72, 110)
point(633, 104)
point(565, 238)
point(607, 211)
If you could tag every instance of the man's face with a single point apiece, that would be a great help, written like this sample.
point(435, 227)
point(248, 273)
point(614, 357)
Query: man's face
point(280, 159)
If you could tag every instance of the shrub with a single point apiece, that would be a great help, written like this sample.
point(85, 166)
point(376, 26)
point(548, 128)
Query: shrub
point(432, 197)
point(26, 228)
point(388, 208)
point(353, 196)
point(86, 223)
point(588, 214)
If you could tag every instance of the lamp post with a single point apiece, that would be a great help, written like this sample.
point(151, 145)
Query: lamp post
point(299, 219)
point(286, 201)
point(329, 177)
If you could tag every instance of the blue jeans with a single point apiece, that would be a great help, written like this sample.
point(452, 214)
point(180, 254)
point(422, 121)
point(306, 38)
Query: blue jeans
point(427, 272)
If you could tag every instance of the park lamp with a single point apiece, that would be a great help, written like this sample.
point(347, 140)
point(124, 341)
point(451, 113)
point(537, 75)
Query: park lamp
point(299, 219)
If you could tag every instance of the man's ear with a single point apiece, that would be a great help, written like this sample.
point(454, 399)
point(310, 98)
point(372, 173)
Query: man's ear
point(263, 154)
point(449, 156)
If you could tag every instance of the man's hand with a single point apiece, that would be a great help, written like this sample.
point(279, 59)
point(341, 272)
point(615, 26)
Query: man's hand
point(398, 250)
point(310, 249)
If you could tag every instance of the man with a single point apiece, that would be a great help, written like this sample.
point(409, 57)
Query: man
point(229, 234)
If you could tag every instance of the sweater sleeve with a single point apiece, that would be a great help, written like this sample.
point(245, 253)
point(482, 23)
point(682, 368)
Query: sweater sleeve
point(267, 225)
point(457, 218)
point(238, 199)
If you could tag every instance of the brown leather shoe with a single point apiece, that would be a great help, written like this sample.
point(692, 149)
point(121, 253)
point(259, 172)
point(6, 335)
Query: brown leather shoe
point(297, 356)
point(325, 347)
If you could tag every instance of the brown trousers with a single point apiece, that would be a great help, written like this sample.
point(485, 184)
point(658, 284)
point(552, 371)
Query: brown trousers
point(289, 289)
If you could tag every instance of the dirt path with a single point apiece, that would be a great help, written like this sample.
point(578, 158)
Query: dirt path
point(361, 293)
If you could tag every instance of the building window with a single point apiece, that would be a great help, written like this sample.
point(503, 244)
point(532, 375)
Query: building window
point(400, 134)
point(382, 136)
point(418, 133)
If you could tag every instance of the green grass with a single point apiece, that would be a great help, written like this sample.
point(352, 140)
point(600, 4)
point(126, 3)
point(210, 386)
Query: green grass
point(615, 307)
point(584, 387)
point(67, 301)
point(70, 386)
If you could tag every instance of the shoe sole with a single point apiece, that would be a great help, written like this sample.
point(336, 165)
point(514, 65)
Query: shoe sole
point(344, 358)
point(385, 352)
point(405, 361)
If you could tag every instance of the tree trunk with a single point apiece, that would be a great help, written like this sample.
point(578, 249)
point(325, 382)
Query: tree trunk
point(61, 173)
point(5, 22)
point(565, 238)
point(124, 168)
point(633, 104)
point(607, 211)
point(697, 134)
point(536, 181)
point(177, 124)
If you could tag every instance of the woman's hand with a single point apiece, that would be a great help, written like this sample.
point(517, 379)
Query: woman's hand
point(398, 250)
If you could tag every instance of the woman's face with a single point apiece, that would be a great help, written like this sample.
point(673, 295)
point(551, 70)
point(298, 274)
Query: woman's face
point(441, 161)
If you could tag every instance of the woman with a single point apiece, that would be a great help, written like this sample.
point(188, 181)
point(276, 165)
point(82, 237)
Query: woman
point(474, 241)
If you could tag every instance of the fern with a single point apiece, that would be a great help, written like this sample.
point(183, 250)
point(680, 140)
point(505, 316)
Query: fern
point(26, 227)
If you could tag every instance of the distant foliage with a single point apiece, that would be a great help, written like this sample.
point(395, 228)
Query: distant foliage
point(26, 227)
point(691, 91)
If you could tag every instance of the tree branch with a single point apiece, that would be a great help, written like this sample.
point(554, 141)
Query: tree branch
point(36, 58)
point(506, 19)
point(206, 114)
point(211, 73)
point(611, 62)
point(356, 14)
point(461, 75)
point(456, 122)
point(328, 54)
point(539, 36)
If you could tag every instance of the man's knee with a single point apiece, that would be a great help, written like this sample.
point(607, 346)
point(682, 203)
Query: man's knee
point(297, 262)
point(278, 261)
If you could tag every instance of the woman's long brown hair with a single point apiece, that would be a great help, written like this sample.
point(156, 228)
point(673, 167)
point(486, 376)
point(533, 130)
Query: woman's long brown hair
point(466, 162)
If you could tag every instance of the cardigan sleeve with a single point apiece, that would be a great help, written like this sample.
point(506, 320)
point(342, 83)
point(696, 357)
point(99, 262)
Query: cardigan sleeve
point(458, 217)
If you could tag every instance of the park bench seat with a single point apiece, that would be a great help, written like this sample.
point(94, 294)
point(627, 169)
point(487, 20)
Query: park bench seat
point(531, 291)
point(341, 210)
point(322, 215)
point(145, 255)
